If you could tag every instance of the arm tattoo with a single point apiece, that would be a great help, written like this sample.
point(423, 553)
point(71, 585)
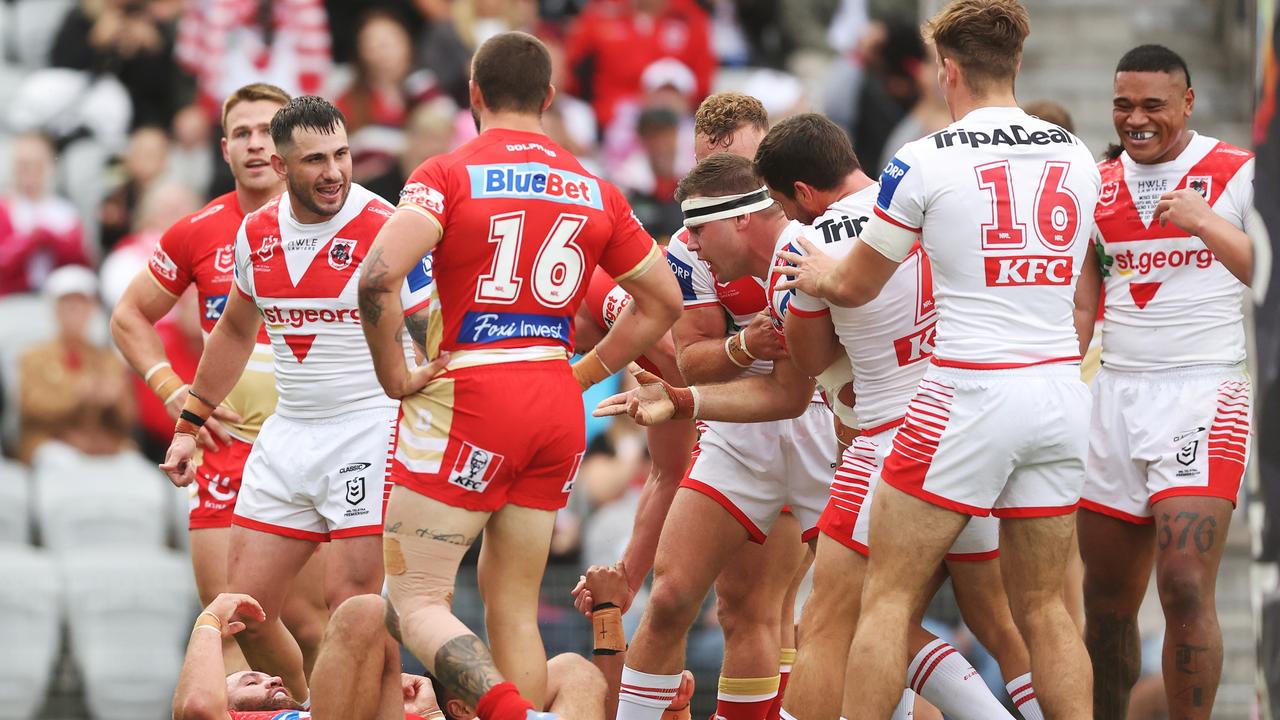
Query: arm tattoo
point(465, 667)
point(372, 286)
point(416, 324)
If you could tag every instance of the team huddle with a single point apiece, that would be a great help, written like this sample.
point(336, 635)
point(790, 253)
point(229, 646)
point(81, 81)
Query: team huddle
point(826, 365)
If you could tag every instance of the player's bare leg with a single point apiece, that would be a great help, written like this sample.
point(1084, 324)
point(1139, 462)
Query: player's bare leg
point(304, 612)
point(512, 560)
point(1118, 557)
point(1191, 533)
point(984, 606)
point(209, 562)
point(262, 566)
point(827, 623)
point(670, 445)
point(352, 568)
point(750, 592)
point(423, 544)
point(1033, 558)
point(1073, 583)
point(787, 624)
point(357, 675)
point(697, 542)
point(575, 688)
point(910, 537)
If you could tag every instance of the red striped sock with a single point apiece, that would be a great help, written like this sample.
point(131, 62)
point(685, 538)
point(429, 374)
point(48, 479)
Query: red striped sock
point(942, 676)
point(785, 661)
point(1024, 697)
point(746, 698)
point(644, 696)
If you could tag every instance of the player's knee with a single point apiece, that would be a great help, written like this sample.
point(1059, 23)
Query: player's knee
point(672, 607)
point(1185, 590)
point(573, 669)
point(737, 617)
point(363, 614)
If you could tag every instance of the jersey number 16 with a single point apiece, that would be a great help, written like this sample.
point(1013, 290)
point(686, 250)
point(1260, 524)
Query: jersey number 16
point(557, 270)
point(1057, 210)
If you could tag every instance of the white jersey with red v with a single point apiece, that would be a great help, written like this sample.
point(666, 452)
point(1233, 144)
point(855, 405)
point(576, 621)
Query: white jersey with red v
point(303, 278)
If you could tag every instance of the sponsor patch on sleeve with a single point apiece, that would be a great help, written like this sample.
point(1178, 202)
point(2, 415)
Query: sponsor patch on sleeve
point(684, 276)
point(420, 276)
point(163, 265)
point(427, 198)
point(889, 179)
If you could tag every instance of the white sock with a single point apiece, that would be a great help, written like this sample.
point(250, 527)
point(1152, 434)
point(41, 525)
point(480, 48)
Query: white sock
point(1024, 697)
point(942, 676)
point(643, 696)
point(906, 707)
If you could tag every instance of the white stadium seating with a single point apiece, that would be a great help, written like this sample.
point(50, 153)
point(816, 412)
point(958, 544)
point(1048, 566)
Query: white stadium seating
point(30, 623)
point(89, 502)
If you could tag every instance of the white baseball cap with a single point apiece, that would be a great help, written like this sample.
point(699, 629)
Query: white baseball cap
point(71, 280)
point(669, 71)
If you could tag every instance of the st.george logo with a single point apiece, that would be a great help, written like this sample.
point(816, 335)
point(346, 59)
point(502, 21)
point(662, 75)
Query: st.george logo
point(1202, 184)
point(340, 253)
point(1109, 192)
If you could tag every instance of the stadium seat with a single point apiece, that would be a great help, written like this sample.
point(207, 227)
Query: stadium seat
point(15, 496)
point(128, 616)
point(24, 321)
point(35, 24)
point(88, 502)
point(30, 623)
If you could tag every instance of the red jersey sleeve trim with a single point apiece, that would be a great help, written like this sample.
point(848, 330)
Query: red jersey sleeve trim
point(411, 310)
point(887, 217)
point(641, 266)
point(808, 313)
point(423, 212)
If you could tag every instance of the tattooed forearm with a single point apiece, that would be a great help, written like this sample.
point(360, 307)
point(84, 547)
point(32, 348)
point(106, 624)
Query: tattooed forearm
point(416, 324)
point(373, 285)
point(464, 666)
point(1116, 652)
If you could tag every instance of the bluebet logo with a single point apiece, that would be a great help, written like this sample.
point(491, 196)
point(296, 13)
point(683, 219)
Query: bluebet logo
point(487, 327)
point(534, 181)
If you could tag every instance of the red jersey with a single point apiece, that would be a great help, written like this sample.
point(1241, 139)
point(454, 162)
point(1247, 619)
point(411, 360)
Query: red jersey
point(288, 715)
point(523, 225)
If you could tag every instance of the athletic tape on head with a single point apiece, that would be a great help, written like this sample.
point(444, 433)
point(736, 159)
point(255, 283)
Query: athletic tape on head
point(702, 210)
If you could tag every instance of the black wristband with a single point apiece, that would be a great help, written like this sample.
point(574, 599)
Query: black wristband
point(192, 418)
point(602, 606)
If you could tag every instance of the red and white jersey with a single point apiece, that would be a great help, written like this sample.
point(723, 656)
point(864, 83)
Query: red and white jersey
point(605, 301)
point(741, 299)
point(1170, 303)
point(199, 249)
point(889, 339)
point(303, 279)
point(1003, 203)
point(522, 227)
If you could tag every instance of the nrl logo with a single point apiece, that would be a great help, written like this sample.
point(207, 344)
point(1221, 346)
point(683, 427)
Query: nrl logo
point(340, 253)
point(225, 259)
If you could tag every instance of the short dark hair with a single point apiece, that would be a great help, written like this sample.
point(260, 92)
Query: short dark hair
point(807, 148)
point(1153, 58)
point(308, 111)
point(513, 72)
point(719, 174)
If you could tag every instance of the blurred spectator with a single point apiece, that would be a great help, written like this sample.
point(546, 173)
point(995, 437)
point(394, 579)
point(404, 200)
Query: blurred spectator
point(612, 42)
point(72, 390)
point(164, 203)
point(131, 40)
point(427, 133)
point(929, 115)
point(649, 179)
point(43, 230)
point(667, 83)
point(384, 88)
point(781, 93)
point(570, 121)
point(229, 43)
point(1050, 111)
point(344, 15)
point(446, 48)
point(145, 160)
point(193, 153)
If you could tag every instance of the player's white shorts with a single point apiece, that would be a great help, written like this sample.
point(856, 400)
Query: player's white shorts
point(847, 518)
point(755, 469)
point(1009, 442)
point(319, 479)
point(1162, 434)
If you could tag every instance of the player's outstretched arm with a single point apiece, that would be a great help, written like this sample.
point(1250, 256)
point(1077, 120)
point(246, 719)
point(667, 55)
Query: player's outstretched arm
point(133, 322)
point(1188, 210)
point(812, 341)
point(401, 244)
point(705, 355)
point(202, 684)
point(756, 398)
point(655, 306)
point(1088, 293)
point(859, 276)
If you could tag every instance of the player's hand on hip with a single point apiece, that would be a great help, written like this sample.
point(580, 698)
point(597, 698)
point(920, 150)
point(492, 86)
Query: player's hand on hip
point(761, 340)
point(232, 609)
point(419, 376)
point(803, 272)
point(179, 460)
point(1185, 208)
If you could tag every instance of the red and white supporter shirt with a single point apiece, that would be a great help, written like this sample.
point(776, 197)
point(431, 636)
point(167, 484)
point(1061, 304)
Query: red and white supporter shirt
point(199, 249)
point(1003, 203)
point(1170, 303)
point(887, 340)
point(303, 279)
point(522, 227)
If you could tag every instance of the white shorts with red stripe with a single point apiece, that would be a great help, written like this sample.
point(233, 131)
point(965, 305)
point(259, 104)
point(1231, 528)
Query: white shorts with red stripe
point(847, 517)
point(1163, 434)
point(1007, 442)
point(755, 469)
point(319, 479)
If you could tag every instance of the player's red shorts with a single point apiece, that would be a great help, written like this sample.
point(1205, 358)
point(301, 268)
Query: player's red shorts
point(213, 500)
point(483, 437)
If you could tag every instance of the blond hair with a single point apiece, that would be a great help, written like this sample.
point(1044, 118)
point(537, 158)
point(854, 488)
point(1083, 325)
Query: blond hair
point(250, 93)
point(983, 37)
point(723, 114)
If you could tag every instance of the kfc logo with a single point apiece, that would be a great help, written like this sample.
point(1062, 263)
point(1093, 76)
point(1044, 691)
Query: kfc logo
point(1028, 270)
point(340, 253)
point(474, 468)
